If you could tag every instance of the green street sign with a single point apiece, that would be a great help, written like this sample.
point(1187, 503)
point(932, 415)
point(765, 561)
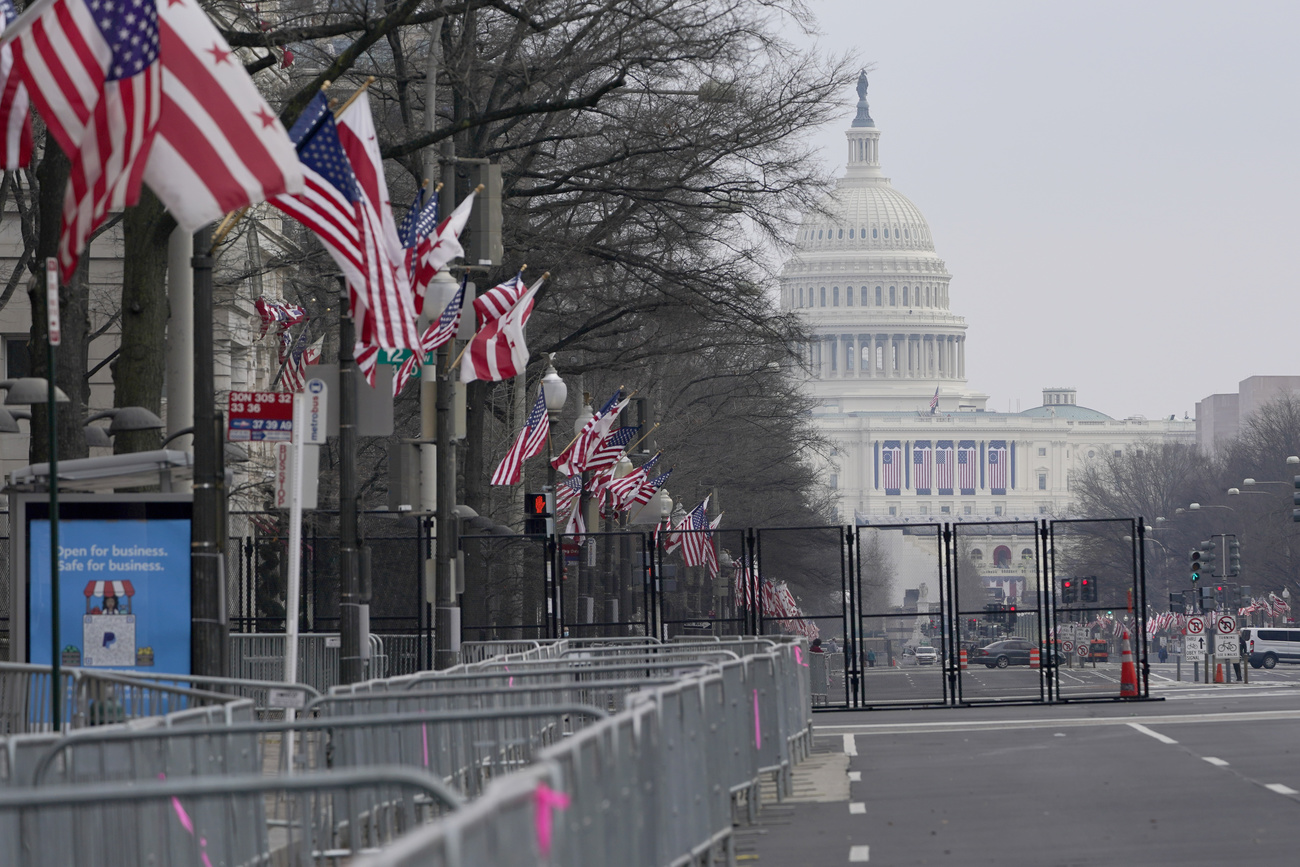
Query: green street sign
point(394, 356)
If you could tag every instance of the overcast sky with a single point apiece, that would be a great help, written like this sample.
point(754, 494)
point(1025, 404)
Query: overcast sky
point(1113, 185)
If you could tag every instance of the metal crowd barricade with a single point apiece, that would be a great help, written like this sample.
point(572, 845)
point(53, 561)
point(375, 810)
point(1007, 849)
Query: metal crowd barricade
point(464, 749)
point(270, 698)
point(656, 784)
point(260, 656)
point(819, 677)
point(319, 819)
point(89, 698)
point(611, 695)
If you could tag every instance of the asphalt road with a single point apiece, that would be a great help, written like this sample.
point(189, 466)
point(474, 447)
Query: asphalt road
point(1210, 775)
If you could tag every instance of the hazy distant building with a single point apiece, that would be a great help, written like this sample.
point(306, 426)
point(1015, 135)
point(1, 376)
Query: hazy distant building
point(1219, 417)
point(888, 366)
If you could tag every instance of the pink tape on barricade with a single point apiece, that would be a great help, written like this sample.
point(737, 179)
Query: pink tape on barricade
point(798, 656)
point(546, 800)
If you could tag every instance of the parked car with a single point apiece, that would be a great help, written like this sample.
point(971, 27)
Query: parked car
point(926, 656)
point(1267, 647)
point(1011, 651)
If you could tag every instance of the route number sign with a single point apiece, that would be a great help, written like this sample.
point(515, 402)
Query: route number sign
point(1225, 624)
point(1227, 646)
point(259, 416)
point(1195, 626)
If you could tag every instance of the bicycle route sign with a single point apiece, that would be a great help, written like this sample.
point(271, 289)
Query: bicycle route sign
point(1195, 646)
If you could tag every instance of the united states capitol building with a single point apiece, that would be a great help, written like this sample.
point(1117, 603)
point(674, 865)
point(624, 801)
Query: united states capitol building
point(887, 365)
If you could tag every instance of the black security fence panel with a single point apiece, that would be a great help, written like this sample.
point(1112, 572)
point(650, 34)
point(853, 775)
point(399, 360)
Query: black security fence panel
point(998, 616)
point(701, 600)
point(1098, 605)
point(257, 572)
point(800, 583)
point(506, 592)
point(604, 586)
point(898, 602)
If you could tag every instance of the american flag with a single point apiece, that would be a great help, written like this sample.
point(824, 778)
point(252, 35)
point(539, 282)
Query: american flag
point(697, 536)
point(921, 467)
point(891, 467)
point(419, 222)
point(435, 335)
point(1278, 604)
point(294, 378)
point(283, 316)
point(569, 491)
point(998, 467)
point(574, 458)
point(494, 303)
point(650, 488)
point(92, 69)
point(744, 583)
point(438, 247)
point(621, 490)
point(334, 206)
point(934, 401)
point(529, 443)
point(966, 466)
point(611, 448)
point(498, 351)
point(15, 118)
point(943, 465)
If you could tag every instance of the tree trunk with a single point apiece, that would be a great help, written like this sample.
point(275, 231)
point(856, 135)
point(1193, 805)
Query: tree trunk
point(138, 369)
point(74, 315)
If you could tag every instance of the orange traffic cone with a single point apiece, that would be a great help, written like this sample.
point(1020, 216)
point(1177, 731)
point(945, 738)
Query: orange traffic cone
point(1218, 673)
point(1128, 677)
point(1033, 658)
point(964, 660)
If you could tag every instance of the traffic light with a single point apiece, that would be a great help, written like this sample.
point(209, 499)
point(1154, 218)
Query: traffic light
point(1197, 565)
point(1234, 557)
point(1069, 592)
point(1175, 603)
point(1208, 547)
point(1011, 615)
point(1088, 589)
point(1295, 498)
point(539, 514)
point(1208, 600)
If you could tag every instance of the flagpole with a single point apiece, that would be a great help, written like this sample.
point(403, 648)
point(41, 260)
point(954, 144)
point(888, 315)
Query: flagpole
point(347, 103)
point(24, 21)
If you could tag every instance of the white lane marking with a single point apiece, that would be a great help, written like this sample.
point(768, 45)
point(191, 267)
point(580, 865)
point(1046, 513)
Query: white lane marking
point(857, 807)
point(1164, 739)
point(1281, 789)
point(860, 853)
point(850, 746)
point(1218, 763)
point(855, 776)
point(1001, 725)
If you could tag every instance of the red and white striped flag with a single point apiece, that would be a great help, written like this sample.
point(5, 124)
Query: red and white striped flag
point(498, 350)
point(93, 71)
point(436, 250)
point(219, 146)
point(15, 105)
point(497, 301)
point(697, 537)
point(574, 459)
point(529, 443)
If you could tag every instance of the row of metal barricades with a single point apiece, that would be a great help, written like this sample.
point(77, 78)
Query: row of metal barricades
point(580, 752)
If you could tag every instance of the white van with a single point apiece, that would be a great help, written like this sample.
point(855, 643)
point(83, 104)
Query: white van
point(1267, 647)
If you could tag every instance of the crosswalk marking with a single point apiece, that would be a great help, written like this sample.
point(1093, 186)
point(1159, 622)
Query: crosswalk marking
point(850, 745)
point(857, 807)
point(1281, 789)
point(860, 853)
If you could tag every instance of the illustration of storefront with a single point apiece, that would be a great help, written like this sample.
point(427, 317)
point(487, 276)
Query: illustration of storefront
point(108, 628)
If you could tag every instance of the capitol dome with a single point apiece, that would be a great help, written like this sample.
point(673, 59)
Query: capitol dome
point(867, 279)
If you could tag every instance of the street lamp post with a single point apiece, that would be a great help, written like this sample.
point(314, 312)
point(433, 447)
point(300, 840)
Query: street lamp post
point(654, 616)
point(586, 414)
point(555, 393)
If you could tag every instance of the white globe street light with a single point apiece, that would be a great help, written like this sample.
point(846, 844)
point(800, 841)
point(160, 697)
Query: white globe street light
point(553, 386)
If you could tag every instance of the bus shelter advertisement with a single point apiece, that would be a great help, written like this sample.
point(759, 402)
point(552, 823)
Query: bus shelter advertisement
point(124, 586)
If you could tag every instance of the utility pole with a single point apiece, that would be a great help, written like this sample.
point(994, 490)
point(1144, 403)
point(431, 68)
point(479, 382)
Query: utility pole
point(351, 626)
point(208, 635)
